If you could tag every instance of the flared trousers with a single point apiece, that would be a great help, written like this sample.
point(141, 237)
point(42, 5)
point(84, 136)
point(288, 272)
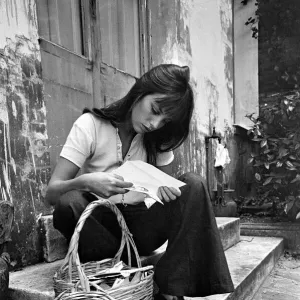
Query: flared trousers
point(194, 263)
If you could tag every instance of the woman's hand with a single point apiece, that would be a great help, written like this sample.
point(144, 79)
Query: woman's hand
point(64, 180)
point(168, 194)
point(105, 184)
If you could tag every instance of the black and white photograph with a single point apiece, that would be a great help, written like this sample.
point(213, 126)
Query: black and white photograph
point(149, 149)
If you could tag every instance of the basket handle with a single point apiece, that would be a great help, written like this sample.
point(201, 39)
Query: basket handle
point(72, 256)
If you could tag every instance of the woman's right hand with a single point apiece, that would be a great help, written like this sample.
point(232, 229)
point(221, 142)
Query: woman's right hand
point(105, 184)
point(64, 179)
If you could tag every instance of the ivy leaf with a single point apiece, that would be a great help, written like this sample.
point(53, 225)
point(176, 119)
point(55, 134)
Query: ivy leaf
point(279, 164)
point(257, 176)
point(289, 164)
point(263, 143)
point(267, 165)
point(292, 157)
point(297, 146)
point(257, 139)
point(268, 180)
point(282, 152)
point(288, 206)
point(266, 194)
point(250, 160)
point(297, 178)
point(257, 131)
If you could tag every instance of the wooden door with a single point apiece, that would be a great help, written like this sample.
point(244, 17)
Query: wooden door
point(124, 41)
point(66, 66)
point(92, 53)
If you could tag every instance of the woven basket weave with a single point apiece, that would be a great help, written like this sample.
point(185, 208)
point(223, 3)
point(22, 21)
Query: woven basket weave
point(76, 281)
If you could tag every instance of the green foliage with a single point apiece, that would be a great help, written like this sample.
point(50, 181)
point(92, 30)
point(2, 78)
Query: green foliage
point(276, 23)
point(276, 161)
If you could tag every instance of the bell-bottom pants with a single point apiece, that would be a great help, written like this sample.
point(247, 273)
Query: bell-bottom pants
point(194, 263)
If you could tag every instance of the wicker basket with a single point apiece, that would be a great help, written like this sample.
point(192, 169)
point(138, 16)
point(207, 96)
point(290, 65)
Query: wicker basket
point(81, 281)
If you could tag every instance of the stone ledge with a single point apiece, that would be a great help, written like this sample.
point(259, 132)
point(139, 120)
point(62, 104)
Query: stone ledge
point(229, 229)
point(249, 261)
point(55, 245)
point(36, 282)
point(289, 231)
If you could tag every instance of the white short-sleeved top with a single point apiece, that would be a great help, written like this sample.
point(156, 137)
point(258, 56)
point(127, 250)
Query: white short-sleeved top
point(94, 145)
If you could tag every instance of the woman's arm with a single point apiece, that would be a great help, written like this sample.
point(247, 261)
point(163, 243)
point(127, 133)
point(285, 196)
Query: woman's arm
point(63, 180)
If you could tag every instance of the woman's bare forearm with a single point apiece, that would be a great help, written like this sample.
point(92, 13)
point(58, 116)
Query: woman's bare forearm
point(58, 187)
point(102, 184)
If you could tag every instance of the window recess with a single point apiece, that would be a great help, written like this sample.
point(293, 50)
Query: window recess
point(123, 28)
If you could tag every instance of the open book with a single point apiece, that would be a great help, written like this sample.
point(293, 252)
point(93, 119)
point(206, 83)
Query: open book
point(146, 178)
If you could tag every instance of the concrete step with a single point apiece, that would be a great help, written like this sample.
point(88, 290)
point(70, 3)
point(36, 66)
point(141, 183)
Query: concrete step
point(283, 283)
point(55, 245)
point(250, 262)
point(35, 282)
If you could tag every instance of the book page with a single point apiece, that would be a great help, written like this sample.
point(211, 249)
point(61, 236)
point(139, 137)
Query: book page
point(146, 178)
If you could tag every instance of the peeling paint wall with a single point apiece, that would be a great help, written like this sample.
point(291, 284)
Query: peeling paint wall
point(246, 64)
point(187, 32)
point(198, 34)
point(24, 157)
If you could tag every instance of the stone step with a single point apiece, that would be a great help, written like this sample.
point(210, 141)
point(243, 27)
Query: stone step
point(35, 282)
point(55, 245)
point(250, 262)
point(290, 232)
point(283, 283)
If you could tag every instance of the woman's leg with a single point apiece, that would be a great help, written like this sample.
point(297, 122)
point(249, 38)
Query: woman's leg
point(149, 227)
point(194, 263)
point(100, 235)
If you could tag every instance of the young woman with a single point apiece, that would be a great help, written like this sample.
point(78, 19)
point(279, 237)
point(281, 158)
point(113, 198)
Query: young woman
point(147, 124)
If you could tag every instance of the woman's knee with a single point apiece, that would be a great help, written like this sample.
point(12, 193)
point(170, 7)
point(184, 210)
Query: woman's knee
point(191, 178)
point(195, 187)
point(68, 208)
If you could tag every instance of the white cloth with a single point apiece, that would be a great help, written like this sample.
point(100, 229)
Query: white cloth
point(94, 145)
point(222, 156)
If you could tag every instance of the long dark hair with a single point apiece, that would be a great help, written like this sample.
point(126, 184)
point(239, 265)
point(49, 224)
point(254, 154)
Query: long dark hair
point(177, 103)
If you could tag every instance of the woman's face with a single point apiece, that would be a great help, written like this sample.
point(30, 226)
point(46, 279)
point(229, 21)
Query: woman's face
point(146, 115)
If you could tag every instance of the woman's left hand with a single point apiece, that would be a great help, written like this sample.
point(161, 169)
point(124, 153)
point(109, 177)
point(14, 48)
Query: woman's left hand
point(167, 194)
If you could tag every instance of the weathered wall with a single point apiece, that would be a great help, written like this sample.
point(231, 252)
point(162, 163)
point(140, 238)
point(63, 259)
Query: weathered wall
point(198, 34)
point(245, 64)
point(187, 32)
point(24, 159)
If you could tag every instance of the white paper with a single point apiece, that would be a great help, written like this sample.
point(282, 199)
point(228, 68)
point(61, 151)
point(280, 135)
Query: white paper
point(146, 178)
